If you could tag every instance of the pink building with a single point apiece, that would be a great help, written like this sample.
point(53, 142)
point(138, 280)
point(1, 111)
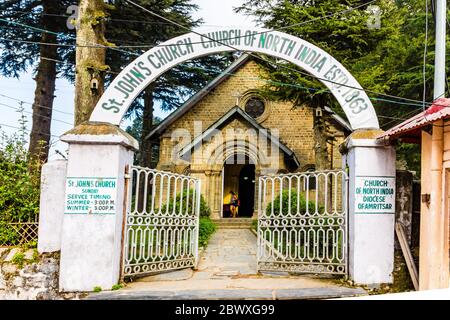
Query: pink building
point(431, 129)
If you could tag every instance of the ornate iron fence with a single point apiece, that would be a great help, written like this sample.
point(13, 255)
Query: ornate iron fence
point(302, 222)
point(162, 218)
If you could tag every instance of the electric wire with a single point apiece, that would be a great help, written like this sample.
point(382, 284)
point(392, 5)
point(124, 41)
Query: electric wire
point(35, 114)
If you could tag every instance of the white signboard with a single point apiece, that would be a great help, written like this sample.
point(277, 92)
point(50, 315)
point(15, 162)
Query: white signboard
point(374, 195)
point(134, 78)
point(90, 195)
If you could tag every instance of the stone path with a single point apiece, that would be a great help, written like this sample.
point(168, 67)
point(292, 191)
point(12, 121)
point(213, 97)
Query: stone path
point(227, 270)
point(230, 252)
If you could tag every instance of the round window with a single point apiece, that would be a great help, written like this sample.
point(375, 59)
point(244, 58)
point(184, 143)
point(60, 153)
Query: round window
point(255, 107)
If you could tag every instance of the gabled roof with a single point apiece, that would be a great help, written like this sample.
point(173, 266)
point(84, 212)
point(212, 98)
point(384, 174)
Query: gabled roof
point(174, 116)
point(234, 113)
point(192, 101)
point(410, 129)
point(338, 119)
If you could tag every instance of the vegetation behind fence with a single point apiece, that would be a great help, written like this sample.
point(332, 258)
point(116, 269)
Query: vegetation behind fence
point(19, 191)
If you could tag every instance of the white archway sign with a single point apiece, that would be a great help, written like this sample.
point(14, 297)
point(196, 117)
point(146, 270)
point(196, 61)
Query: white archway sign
point(143, 70)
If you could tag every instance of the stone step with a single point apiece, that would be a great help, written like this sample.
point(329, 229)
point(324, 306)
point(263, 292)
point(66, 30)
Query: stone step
point(233, 223)
point(233, 220)
point(233, 226)
point(233, 294)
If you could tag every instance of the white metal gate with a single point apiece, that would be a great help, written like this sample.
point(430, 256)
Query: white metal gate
point(302, 222)
point(162, 219)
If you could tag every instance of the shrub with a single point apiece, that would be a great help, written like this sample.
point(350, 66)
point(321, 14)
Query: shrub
point(302, 205)
point(294, 203)
point(205, 211)
point(116, 287)
point(206, 229)
point(19, 259)
point(19, 187)
point(255, 224)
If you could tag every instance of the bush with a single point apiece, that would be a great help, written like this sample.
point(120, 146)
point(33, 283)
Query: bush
point(310, 205)
point(255, 224)
point(327, 223)
point(205, 211)
point(206, 229)
point(19, 187)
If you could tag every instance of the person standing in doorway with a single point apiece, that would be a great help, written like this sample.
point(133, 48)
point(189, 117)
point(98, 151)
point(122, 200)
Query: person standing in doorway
point(234, 204)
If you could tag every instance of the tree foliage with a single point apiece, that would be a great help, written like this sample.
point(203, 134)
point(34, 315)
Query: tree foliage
point(386, 59)
point(125, 25)
point(19, 186)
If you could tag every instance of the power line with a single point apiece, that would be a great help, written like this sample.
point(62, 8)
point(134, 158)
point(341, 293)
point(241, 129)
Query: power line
point(302, 87)
point(29, 103)
point(265, 60)
point(35, 114)
point(72, 64)
point(236, 37)
point(14, 127)
point(63, 35)
point(232, 38)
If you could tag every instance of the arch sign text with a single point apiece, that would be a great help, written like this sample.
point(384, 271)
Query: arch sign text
point(143, 70)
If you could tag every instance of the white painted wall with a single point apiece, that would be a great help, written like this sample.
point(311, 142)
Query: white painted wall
point(371, 236)
point(51, 207)
point(91, 243)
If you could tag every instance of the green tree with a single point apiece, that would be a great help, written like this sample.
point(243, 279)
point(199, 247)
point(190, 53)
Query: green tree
point(18, 57)
point(124, 25)
point(387, 59)
point(174, 86)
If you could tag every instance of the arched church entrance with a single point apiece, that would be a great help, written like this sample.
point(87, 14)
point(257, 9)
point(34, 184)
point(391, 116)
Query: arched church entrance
point(239, 177)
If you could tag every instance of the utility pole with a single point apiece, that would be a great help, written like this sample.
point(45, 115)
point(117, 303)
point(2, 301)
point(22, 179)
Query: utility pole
point(434, 250)
point(439, 63)
point(90, 61)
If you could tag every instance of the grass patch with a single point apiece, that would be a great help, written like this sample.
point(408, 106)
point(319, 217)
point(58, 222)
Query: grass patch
point(18, 259)
point(116, 287)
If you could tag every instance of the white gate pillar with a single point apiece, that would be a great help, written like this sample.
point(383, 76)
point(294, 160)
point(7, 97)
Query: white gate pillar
point(94, 200)
point(371, 170)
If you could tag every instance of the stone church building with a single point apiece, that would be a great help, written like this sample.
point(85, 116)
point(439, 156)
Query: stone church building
point(228, 135)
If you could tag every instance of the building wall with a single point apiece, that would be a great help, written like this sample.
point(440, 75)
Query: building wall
point(294, 125)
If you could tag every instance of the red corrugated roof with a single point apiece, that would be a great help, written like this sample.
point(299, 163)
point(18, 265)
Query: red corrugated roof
point(437, 111)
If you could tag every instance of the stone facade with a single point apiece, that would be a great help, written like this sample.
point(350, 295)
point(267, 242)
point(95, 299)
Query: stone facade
point(293, 124)
point(25, 275)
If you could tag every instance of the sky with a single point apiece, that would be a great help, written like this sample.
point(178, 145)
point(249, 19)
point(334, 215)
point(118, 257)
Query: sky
point(213, 12)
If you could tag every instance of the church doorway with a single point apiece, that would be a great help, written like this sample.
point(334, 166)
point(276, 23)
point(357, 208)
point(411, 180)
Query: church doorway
point(239, 177)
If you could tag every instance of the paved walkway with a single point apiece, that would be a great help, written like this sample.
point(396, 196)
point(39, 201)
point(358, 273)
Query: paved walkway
point(227, 270)
point(230, 252)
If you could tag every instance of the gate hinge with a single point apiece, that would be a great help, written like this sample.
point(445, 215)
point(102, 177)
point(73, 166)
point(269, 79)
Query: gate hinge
point(127, 176)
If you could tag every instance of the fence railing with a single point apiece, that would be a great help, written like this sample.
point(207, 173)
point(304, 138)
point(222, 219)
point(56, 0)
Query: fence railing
point(161, 230)
point(19, 233)
point(302, 222)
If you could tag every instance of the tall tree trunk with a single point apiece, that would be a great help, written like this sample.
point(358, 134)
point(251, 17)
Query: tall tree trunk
point(90, 62)
point(145, 152)
point(44, 93)
point(322, 161)
point(144, 156)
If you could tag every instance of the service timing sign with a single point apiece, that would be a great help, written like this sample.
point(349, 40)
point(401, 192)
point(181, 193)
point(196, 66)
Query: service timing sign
point(90, 195)
point(375, 195)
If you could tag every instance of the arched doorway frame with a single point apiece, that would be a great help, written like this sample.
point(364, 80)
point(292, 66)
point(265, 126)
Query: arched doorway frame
point(244, 153)
point(244, 148)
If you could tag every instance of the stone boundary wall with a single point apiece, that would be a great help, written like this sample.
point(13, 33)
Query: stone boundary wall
point(27, 275)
